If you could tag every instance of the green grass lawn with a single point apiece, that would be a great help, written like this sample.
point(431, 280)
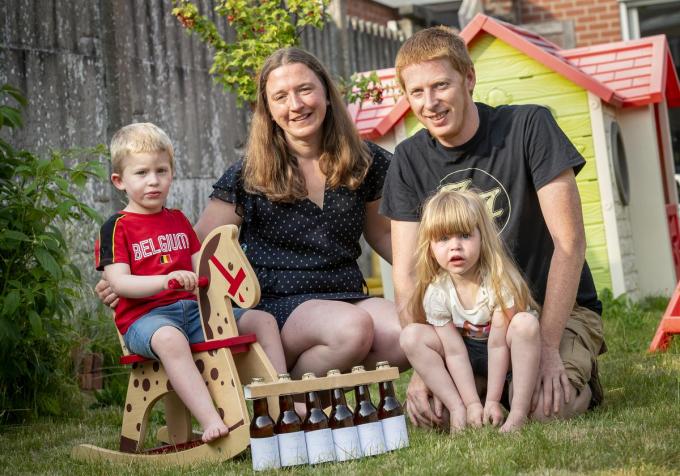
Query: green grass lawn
point(636, 430)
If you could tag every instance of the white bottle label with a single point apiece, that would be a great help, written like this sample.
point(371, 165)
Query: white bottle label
point(292, 448)
point(347, 445)
point(371, 438)
point(394, 429)
point(320, 446)
point(265, 453)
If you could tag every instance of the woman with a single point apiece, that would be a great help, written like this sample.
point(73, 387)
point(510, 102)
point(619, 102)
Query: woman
point(303, 195)
point(307, 189)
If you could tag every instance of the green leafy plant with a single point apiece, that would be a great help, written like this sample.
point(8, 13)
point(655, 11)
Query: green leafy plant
point(38, 282)
point(362, 87)
point(261, 27)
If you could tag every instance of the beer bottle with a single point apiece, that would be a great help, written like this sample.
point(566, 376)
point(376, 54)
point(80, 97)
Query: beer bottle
point(318, 435)
point(341, 421)
point(292, 446)
point(391, 415)
point(366, 419)
point(264, 445)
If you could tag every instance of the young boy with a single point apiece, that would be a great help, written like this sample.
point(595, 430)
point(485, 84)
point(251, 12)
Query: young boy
point(142, 248)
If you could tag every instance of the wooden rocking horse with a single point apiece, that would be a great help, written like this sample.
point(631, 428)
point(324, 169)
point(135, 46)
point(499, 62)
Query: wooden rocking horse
point(225, 360)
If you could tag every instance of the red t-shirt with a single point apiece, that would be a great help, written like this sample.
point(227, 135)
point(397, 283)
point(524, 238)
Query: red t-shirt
point(151, 245)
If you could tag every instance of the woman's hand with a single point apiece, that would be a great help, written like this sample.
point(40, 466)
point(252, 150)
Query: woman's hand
point(106, 294)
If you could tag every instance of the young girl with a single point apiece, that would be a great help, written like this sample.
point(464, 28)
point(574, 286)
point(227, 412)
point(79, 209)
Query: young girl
point(470, 290)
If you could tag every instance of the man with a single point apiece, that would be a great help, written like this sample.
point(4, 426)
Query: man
point(524, 167)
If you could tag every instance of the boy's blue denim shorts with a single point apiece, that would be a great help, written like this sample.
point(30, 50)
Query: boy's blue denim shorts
point(182, 315)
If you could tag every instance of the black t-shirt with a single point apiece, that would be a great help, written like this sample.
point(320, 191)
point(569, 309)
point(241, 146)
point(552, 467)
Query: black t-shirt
point(516, 151)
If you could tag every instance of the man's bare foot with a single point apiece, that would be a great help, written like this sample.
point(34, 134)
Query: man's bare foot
point(514, 422)
point(457, 420)
point(475, 414)
point(214, 431)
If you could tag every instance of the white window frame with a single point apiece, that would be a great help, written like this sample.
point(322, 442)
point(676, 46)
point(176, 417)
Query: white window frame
point(630, 21)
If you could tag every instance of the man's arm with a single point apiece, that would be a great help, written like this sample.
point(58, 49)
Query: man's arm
point(404, 240)
point(561, 208)
point(377, 231)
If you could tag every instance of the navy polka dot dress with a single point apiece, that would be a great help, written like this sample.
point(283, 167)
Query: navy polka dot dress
point(298, 250)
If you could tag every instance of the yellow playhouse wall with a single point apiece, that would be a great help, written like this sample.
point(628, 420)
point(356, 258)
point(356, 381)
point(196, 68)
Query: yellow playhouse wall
point(507, 76)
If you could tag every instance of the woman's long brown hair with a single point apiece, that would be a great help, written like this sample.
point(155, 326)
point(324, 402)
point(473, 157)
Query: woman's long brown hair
point(269, 167)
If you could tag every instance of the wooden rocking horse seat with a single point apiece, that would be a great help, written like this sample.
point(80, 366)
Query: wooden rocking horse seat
point(236, 345)
point(224, 360)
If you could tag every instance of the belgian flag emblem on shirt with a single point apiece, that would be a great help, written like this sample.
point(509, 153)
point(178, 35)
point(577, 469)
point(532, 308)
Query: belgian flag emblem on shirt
point(166, 259)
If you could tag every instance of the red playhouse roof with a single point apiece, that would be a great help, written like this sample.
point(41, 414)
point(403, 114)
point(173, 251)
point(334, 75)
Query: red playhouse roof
point(375, 120)
point(640, 71)
point(626, 73)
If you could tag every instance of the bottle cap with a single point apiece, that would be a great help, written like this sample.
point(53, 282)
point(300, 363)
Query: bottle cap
point(284, 376)
point(257, 380)
point(332, 372)
point(382, 364)
point(358, 368)
point(308, 375)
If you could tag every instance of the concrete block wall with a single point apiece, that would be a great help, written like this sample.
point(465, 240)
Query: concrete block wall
point(89, 67)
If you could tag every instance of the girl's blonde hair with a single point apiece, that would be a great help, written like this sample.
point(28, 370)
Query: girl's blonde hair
point(449, 213)
point(269, 167)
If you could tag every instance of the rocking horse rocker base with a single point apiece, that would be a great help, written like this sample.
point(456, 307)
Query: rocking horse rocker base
point(230, 278)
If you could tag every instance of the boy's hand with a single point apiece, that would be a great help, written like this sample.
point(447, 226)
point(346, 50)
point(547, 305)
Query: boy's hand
point(493, 413)
point(187, 279)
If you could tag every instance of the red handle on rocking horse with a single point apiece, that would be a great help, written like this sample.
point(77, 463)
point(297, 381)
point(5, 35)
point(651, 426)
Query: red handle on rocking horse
point(174, 284)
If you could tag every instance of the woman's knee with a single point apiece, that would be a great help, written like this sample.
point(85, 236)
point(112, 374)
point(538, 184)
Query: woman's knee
point(355, 336)
point(254, 321)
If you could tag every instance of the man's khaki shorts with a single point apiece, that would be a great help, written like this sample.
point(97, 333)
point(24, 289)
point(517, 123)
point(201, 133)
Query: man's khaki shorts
point(582, 341)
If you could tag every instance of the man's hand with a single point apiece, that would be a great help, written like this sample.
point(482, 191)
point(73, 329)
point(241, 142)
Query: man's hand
point(106, 294)
point(552, 382)
point(418, 404)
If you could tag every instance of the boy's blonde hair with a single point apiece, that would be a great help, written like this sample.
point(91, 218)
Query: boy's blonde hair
point(438, 42)
point(449, 213)
point(136, 138)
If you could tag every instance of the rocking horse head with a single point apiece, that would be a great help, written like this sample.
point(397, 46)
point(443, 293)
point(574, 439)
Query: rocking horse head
point(231, 278)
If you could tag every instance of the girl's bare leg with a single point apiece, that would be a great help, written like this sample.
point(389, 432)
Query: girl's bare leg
point(524, 341)
point(424, 350)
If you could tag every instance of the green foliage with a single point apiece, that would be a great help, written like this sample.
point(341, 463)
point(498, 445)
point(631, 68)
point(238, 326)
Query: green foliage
point(98, 335)
point(362, 87)
point(626, 322)
point(261, 27)
point(38, 282)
